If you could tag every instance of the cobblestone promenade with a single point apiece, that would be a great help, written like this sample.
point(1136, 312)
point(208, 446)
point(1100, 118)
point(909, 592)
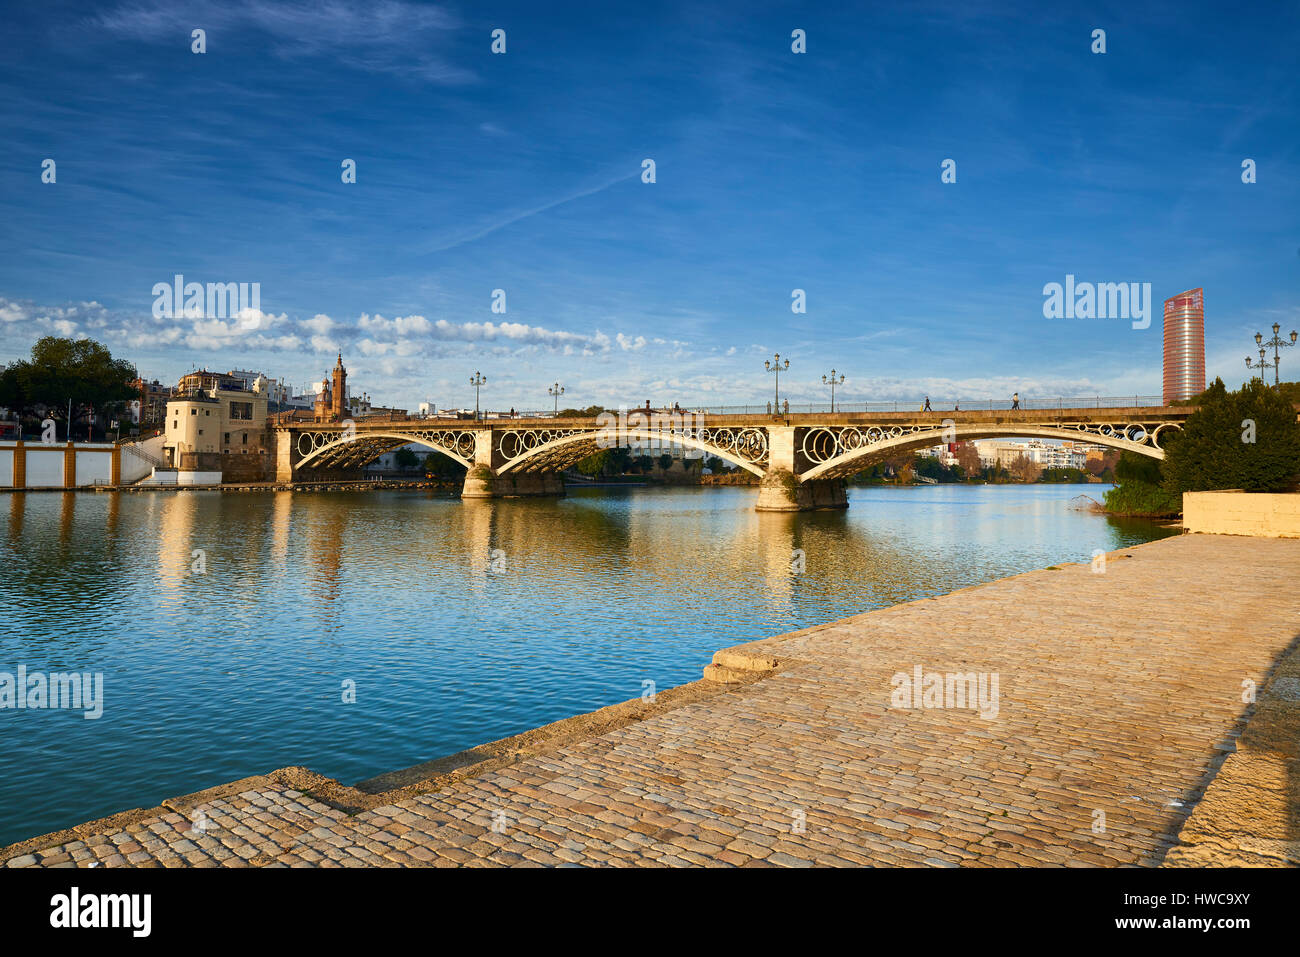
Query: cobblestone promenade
point(1119, 695)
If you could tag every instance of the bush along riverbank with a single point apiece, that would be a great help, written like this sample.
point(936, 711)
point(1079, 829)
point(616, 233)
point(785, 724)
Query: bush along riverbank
point(1139, 491)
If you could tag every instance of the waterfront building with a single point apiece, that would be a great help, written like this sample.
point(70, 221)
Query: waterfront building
point(1184, 355)
point(203, 381)
point(305, 401)
point(360, 407)
point(275, 391)
point(218, 430)
point(151, 407)
point(995, 453)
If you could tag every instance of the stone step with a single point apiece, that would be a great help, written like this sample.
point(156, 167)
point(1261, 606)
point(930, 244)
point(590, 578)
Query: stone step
point(734, 666)
point(726, 676)
point(745, 660)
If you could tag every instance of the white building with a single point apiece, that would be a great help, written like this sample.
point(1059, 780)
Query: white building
point(995, 453)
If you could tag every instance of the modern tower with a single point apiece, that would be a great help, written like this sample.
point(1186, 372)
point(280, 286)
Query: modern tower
point(1184, 345)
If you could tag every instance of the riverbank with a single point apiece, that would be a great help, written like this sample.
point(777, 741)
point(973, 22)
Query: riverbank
point(336, 485)
point(1118, 696)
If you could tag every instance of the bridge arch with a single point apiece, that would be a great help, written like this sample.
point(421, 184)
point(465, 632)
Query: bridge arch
point(367, 446)
point(853, 460)
point(747, 448)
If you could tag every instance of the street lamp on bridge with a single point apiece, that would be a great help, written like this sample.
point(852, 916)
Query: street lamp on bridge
point(557, 390)
point(774, 365)
point(1261, 365)
point(477, 380)
point(832, 383)
point(1277, 342)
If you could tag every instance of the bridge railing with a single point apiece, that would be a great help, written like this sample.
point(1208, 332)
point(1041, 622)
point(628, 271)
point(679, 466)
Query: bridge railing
point(937, 404)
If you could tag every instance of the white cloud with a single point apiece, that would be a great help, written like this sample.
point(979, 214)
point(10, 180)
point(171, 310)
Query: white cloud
point(377, 36)
point(319, 323)
point(399, 326)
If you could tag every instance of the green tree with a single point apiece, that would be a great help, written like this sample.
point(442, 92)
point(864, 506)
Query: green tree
point(405, 458)
point(11, 391)
point(1247, 439)
point(588, 413)
point(665, 461)
point(443, 466)
point(927, 466)
point(1064, 474)
point(593, 464)
point(82, 370)
point(606, 462)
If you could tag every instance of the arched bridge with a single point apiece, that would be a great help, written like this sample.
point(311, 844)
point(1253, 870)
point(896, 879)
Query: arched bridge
point(801, 459)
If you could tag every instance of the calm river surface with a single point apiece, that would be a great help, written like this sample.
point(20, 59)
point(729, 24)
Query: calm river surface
point(213, 677)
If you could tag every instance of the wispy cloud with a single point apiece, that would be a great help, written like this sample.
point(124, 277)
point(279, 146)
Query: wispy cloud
point(515, 217)
point(387, 36)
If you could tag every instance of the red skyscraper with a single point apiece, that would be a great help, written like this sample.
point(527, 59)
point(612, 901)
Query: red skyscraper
point(1184, 345)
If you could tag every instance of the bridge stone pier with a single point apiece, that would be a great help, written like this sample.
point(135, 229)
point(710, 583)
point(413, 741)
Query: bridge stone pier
point(801, 461)
point(487, 478)
point(781, 489)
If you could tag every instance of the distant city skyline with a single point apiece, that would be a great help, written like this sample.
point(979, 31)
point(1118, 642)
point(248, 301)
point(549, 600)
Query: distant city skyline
point(780, 178)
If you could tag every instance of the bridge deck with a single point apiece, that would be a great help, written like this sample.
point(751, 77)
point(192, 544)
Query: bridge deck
point(1001, 416)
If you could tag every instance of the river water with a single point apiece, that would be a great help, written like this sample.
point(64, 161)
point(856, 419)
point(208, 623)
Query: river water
point(229, 627)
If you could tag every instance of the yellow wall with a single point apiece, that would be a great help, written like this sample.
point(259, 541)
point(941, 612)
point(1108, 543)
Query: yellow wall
point(1242, 513)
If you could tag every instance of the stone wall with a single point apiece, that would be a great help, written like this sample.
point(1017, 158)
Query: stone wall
point(1243, 513)
point(255, 467)
point(199, 462)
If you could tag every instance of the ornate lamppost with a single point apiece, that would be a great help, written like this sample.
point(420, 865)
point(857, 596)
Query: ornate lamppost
point(477, 380)
point(774, 365)
point(1261, 365)
point(1277, 342)
point(832, 383)
point(556, 390)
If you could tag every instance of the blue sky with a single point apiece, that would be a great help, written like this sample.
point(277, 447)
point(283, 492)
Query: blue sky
point(775, 171)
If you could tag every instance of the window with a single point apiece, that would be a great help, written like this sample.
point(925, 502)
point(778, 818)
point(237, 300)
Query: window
point(207, 411)
point(194, 411)
point(227, 438)
point(245, 438)
point(200, 431)
point(241, 410)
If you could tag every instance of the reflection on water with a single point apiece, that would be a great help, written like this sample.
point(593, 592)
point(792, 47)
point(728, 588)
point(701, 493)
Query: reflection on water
point(459, 622)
